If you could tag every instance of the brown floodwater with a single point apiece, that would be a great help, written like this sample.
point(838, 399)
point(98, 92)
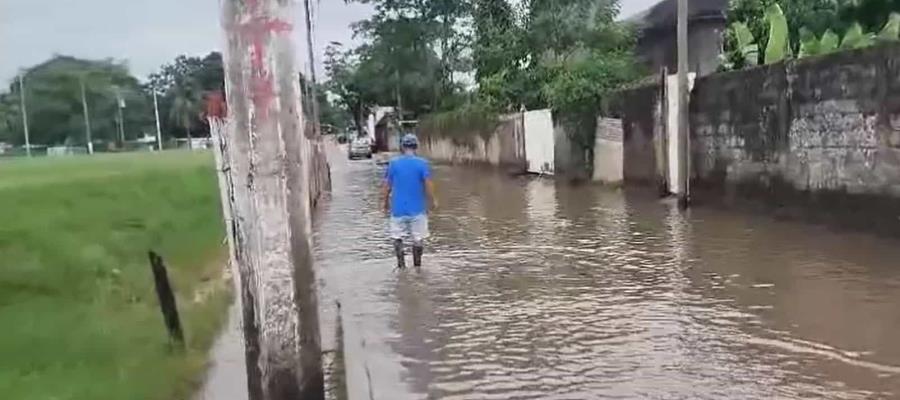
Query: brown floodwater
point(537, 290)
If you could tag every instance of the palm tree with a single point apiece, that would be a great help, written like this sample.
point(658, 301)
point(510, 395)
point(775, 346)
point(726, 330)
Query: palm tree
point(185, 107)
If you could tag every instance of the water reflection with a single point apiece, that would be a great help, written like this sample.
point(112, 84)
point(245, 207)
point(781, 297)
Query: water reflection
point(540, 290)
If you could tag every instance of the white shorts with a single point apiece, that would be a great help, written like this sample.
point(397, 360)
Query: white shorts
point(415, 227)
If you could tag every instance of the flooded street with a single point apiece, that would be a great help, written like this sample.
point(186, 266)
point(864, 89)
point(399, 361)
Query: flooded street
point(533, 289)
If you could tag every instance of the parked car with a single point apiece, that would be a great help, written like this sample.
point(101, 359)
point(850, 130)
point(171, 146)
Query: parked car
point(360, 148)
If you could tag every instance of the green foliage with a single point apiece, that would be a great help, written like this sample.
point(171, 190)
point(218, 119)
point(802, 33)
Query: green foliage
point(497, 45)
point(891, 30)
point(855, 38)
point(182, 85)
point(461, 124)
point(567, 55)
point(814, 15)
point(53, 100)
point(413, 54)
point(804, 21)
point(777, 48)
point(77, 305)
point(809, 44)
point(186, 105)
point(871, 14)
point(747, 48)
point(829, 42)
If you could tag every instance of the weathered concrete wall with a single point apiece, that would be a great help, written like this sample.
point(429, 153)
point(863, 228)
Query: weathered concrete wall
point(639, 110)
point(608, 152)
point(818, 138)
point(503, 148)
point(567, 162)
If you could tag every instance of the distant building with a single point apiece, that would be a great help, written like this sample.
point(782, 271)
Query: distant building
point(657, 29)
point(382, 127)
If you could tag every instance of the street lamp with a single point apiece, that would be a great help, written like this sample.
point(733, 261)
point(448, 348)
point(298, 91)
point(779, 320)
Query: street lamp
point(87, 118)
point(156, 113)
point(24, 113)
point(120, 104)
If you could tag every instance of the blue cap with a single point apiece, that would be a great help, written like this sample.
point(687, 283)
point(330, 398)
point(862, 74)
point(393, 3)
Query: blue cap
point(409, 141)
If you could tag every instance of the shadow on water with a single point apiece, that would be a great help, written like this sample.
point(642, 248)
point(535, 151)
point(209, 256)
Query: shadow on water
point(533, 289)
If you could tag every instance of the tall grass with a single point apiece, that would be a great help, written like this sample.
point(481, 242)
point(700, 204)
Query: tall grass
point(78, 314)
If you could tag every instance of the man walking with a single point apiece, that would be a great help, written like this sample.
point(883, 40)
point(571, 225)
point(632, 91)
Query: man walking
point(407, 183)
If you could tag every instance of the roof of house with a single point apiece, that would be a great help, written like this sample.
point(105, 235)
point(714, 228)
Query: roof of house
point(664, 15)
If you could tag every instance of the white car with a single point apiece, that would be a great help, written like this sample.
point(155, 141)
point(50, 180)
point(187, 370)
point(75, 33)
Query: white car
point(360, 148)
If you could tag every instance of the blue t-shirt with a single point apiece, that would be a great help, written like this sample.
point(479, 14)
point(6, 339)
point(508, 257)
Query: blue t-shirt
point(407, 175)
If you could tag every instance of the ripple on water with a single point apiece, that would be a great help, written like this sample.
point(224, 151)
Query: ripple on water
point(536, 290)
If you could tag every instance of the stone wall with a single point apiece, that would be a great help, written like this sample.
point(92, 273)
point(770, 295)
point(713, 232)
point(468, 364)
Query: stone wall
point(818, 138)
point(503, 148)
point(815, 138)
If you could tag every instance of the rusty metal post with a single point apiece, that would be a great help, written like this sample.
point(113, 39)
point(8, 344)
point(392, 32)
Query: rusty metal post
point(166, 296)
point(267, 185)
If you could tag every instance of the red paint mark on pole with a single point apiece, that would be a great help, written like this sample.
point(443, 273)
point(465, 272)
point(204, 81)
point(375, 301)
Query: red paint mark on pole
point(257, 31)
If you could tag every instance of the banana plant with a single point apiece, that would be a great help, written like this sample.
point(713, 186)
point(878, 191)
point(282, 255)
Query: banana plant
point(891, 30)
point(812, 46)
point(779, 46)
point(746, 43)
point(829, 43)
point(809, 44)
point(856, 38)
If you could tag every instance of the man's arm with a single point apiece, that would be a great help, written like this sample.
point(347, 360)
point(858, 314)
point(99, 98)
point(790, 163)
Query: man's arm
point(386, 196)
point(386, 190)
point(432, 195)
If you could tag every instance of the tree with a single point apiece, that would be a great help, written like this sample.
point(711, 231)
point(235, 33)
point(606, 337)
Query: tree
point(186, 105)
point(870, 14)
point(496, 45)
point(55, 112)
point(419, 48)
point(344, 82)
point(182, 84)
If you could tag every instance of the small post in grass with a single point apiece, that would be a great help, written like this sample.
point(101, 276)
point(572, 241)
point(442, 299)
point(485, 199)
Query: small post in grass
point(166, 299)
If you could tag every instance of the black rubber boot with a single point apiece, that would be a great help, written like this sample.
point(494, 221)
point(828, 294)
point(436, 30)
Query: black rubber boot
point(398, 251)
point(417, 255)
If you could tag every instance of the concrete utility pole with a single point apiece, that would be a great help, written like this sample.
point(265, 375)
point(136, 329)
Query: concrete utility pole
point(24, 113)
point(267, 185)
point(87, 118)
point(683, 100)
point(313, 92)
point(158, 129)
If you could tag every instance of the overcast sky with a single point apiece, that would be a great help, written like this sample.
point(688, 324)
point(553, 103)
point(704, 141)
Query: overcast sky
point(147, 33)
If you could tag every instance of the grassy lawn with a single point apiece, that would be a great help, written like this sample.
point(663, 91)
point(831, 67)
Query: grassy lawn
point(78, 313)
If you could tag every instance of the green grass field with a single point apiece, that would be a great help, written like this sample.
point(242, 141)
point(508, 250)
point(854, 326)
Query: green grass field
point(78, 313)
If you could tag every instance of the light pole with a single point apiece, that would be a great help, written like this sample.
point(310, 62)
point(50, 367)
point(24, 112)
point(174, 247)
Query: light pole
point(87, 118)
point(120, 104)
point(24, 114)
point(156, 113)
